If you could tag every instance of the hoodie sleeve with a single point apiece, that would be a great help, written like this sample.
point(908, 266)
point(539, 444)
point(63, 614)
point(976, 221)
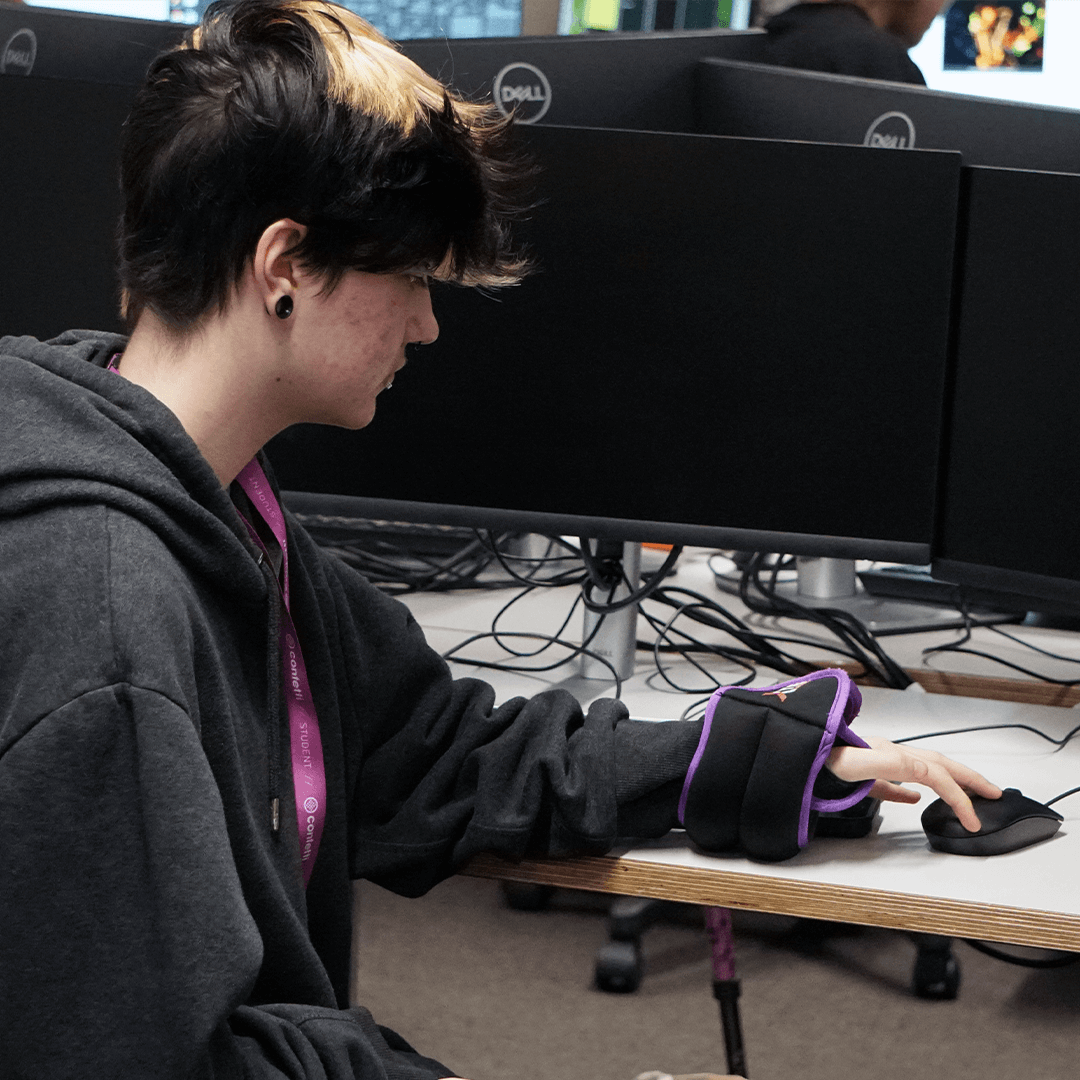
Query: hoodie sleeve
point(439, 772)
point(128, 948)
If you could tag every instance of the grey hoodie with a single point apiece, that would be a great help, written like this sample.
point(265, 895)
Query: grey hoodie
point(152, 921)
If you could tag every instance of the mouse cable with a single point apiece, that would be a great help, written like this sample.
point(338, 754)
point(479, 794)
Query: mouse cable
point(673, 640)
point(396, 562)
point(1062, 959)
point(495, 665)
point(1059, 743)
point(601, 609)
point(728, 582)
point(1063, 795)
point(704, 610)
point(503, 638)
point(744, 658)
point(817, 643)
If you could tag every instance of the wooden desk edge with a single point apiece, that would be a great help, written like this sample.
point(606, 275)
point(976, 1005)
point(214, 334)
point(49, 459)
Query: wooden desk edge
point(786, 896)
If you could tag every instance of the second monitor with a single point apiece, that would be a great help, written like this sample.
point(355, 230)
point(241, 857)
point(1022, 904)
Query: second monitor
point(727, 342)
point(1011, 513)
point(761, 101)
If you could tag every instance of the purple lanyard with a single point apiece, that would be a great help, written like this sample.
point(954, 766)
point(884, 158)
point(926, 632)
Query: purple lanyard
point(309, 773)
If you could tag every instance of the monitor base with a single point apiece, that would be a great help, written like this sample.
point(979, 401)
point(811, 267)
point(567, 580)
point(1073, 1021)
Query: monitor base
point(907, 608)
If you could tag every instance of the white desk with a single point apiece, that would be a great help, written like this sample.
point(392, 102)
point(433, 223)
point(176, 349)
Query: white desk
point(891, 878)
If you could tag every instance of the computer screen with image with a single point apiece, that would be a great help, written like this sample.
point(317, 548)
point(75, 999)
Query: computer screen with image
point(1012, 50)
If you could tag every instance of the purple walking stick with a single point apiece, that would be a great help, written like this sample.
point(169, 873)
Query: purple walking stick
point(726, 986)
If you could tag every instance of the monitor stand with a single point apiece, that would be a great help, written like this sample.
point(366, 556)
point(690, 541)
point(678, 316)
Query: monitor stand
point(616, 638)
point(832, 583)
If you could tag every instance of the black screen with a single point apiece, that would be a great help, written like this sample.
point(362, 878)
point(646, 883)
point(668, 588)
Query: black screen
point(641, 81)
point(58, 143)
point(729, 341)
point(1011, 511)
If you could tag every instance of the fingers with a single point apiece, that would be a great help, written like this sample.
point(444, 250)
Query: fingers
point(938, 765)
point(941, 780)
point(886, 761)
point(887, 792)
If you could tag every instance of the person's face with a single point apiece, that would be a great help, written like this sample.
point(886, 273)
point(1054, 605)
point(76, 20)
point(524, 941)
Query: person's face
point(349, 343)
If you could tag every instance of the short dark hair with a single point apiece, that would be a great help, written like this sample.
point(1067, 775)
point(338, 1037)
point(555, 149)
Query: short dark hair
point(300, 109)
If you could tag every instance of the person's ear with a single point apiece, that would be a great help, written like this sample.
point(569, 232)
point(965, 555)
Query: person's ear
point(277, 270)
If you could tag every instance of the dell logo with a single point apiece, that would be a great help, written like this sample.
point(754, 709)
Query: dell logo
point(524, 90)
point(891, 131)
point(19, 53)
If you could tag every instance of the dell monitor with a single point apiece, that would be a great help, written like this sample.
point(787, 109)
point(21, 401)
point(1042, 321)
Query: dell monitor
point(727, 342)
point(67, 81)
point(756, 100)
point(643, 81)
point(1010, 517)
point(640, 81)
point(53, 44)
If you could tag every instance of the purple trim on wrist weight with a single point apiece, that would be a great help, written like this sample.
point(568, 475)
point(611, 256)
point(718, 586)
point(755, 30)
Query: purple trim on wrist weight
point(845, 707)
point(695, 761)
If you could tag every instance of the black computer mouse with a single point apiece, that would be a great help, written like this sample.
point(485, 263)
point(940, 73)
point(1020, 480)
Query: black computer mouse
point(1011, 822)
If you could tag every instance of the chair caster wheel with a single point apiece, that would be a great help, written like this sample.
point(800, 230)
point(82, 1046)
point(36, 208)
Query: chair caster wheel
point(619, 967)
point(936, 977)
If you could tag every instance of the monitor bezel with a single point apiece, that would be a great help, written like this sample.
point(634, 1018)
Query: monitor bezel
point(496, 519)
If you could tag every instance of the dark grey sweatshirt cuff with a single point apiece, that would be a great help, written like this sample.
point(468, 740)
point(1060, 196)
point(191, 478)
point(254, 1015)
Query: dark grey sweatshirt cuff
point(651, 760)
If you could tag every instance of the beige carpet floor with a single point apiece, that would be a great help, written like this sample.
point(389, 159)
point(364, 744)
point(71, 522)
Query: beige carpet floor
point(499, 994)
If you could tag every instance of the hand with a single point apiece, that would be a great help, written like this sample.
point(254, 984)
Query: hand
point(891, 765)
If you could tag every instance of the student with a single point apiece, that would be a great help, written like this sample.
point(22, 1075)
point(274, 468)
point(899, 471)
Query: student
point(867, 38)
point(209, 727)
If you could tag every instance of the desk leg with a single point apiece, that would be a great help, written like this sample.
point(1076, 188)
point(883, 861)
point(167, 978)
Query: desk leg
point(726, 986)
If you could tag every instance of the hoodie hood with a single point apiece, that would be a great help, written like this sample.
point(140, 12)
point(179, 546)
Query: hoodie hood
point(72, 431)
